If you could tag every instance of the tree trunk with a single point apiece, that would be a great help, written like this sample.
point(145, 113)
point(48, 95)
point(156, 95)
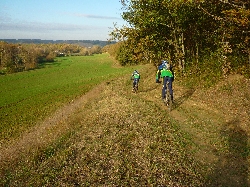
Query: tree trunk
point(183, 51)
point(197, 54)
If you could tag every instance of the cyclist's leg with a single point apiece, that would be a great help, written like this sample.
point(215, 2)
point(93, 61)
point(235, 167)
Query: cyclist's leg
point(164, 87)
point(136, 82)
point(133, 85)
point(170, 80)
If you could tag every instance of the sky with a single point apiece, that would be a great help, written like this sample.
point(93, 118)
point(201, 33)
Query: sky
point(59, 19)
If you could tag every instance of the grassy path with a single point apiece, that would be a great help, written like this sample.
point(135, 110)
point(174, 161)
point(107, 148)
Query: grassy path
point(112, 137)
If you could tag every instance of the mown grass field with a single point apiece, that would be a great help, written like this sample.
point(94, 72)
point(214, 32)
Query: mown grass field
point(28, 97)
point(110, 136)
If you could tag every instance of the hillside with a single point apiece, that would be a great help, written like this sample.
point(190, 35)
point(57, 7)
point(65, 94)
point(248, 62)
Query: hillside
point(112, 137)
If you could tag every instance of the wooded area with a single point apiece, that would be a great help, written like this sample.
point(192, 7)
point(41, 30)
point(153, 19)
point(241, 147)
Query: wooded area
point(21, 57)
point(195, 35)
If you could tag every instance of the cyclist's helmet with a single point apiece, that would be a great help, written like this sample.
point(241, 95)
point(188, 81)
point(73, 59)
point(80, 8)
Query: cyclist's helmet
point(136, 72)
point(165, 64)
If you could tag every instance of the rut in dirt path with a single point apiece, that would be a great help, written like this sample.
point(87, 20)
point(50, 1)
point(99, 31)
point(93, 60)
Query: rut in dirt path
point(210, 106)
point(48, 130)
point(217, 121)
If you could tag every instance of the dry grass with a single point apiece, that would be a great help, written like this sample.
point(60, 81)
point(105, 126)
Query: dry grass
point(113, 137)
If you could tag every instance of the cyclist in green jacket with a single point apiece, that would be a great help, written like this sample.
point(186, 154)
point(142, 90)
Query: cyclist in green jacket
point(135, 77)
point(167, 75)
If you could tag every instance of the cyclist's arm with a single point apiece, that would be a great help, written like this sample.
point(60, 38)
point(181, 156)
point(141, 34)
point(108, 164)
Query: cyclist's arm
point(172, 74)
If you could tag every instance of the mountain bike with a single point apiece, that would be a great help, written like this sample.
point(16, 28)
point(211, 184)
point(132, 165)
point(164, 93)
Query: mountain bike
point(135, 87)
point(167, 100)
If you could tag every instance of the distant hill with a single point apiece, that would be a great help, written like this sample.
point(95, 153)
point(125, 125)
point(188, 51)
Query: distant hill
point(86, 43)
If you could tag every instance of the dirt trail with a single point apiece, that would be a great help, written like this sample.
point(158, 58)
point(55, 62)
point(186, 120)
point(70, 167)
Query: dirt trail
point(48, 130)
point(212, 118)
point(186, 101)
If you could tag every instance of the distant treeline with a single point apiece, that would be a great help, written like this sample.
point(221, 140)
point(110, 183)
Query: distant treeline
point(86, 43)
point(16, 57)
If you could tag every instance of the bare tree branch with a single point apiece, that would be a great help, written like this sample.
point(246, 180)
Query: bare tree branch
point(213, 16)
point(227, 2)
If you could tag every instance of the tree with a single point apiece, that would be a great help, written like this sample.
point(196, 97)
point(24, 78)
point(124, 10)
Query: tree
point(184, 30)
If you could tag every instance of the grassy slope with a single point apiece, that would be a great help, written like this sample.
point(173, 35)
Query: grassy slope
point(114, 137)
point(30, 96)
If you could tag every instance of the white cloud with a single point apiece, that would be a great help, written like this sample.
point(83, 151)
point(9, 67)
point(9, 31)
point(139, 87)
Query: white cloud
point(96, 16)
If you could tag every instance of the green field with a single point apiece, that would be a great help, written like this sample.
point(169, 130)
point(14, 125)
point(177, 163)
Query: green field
point(109, 136)
point(28, 97)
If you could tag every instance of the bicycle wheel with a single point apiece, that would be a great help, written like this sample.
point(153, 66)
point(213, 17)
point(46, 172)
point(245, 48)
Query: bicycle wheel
point(136, 88)
point(168, 100)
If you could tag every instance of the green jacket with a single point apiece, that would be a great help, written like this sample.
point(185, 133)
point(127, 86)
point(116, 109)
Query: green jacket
point(135, 76)
point(166, 73)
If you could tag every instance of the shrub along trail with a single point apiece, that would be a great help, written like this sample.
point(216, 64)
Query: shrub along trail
point(113, 137)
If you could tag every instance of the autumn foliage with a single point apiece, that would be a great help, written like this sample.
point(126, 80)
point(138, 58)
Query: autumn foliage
point(21, 57)
point(188, 33)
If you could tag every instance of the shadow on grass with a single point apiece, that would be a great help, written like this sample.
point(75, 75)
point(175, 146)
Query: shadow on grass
point(45, 64)
point(179, 100)
point(232, 166)
point(150, 88)
point(40, 65)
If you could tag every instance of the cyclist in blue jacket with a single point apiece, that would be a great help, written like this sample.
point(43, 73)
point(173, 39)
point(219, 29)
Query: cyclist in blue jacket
point(135, 77)
point(167, 76)
point(160, 67)
point(165, 71)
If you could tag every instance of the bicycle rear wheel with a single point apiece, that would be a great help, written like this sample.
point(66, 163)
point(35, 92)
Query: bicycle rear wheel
point(136, 88)
point(168, 101)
